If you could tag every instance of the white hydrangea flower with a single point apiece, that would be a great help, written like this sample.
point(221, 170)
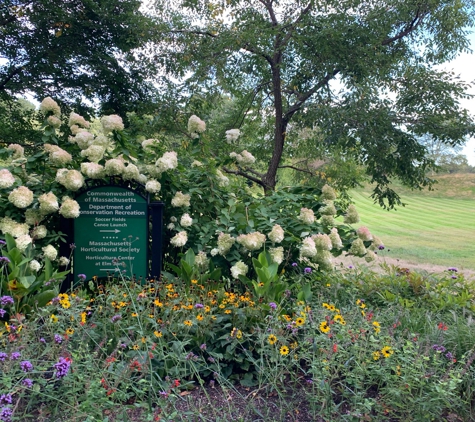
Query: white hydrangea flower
point(142, 179)
point(114, 167)
point(179, 239)
point(328, 220)
point(245, 158)
point(131, 172)
point(186, 220)
point(76, 119)
point(6, 179)
point(83, 139)
point(93, 153)
point(50, 105)
point(308, 248)
point(39, 232)
point(307, 216)
point(7, 225)
point(232, 135)
point(196, 163)
point(18, 151)
point(54, 121)
point(225, 242)
point(196, 125)
point(201, 260)
point(328, 193)
point(112, 122)
point(23, 241)
point(239, 268)
point(63, 261)
point(173, 219)
point(50, 252)
point(153, 186)
point(276, 235)
point(57, 155)
point(324, 259)
point(277, 254)
point(328, 209)
point(149, 143)
point(357, 248)
point(181, 200)
point(171, 226)
point(33, 216)
point(377, 243)
point(75, 129)
point(214, 251)
point(252, 241)
point(92, 170)
point(351, 216)
point(102, 141)
point(322, 242)
point(223, 181)
point(168, 161)
point(35, 266)
point(335, 238)
point(72, 179)
point(21, 197)
point(69, 208)
point(370, 256)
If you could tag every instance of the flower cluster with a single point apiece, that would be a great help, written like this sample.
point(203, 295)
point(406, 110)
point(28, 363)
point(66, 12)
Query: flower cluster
point(307, 216)
point(6, 179)
point(252, 241)
point(111, 123)
point(232, 135)
point(239, 268)
point(21, 197)
point(48, 203)
point(276, 235)
point(57, 155)
point(48, 105)
point(196, 125)
point(179, 239)
point(168, 161)
point(245, 158)
point(181, 200)
point(69, 208)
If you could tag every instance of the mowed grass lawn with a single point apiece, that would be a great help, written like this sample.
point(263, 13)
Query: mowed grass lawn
point(430, 229)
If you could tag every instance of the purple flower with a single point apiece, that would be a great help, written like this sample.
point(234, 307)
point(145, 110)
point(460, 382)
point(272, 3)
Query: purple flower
point(307, 270)
point(454, 277)
point(203, 346)
point(3, 356)
point(82, 277)
point(199, 306)
point(26, 366)
point(6, 414)
point(211, 359)
point(72, 246)
point(4, 259)
point(449, 356)
point(438, 348)
point(163, 394)
point(42, 340)
point(2, 243)
point(27, 382)
point(273, 305)
point(2, 313)
point(294, 264)
point(381, 247)
point(15, 356)
point(454, 269)
point(116, 318)
point(350, 266)
point(6, 399)
point(58, 339)
point(6, 300)
point(62, 367)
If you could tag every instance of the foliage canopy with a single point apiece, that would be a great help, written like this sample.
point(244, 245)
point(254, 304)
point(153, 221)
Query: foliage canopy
point(363, 73)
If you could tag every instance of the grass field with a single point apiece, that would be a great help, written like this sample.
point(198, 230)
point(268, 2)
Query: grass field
point(436, 227)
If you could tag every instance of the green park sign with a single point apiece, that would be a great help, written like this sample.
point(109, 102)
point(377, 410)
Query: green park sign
point(111, 233)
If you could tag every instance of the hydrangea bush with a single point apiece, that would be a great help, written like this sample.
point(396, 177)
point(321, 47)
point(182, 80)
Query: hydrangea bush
point(215, 215)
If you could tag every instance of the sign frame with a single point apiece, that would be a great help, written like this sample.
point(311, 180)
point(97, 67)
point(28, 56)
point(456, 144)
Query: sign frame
point(154, 215)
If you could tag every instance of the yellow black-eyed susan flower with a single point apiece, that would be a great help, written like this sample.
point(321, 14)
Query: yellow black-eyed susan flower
point(324, 327)
point(387, 351)
point(376, 355)
point(300, 321)
point(70, 331)
point(284, 350)
point(272, 339)
point(188, 323)
point(157, 334)
point(377, 327)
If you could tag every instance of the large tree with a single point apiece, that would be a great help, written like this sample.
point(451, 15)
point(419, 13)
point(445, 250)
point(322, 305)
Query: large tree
point(75, 49)
point(364, 73)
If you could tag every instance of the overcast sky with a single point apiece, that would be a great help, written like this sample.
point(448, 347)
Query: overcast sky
point(464, 65)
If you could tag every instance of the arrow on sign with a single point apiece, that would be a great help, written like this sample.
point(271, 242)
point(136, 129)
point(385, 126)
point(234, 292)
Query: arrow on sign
point(110, 231)
point(108, 269)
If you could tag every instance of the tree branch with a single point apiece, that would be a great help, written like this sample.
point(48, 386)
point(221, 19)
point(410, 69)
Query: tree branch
point(297, 169)
point(246, 176)
point(409, 28)
point(304, 97)
point(9, 77)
